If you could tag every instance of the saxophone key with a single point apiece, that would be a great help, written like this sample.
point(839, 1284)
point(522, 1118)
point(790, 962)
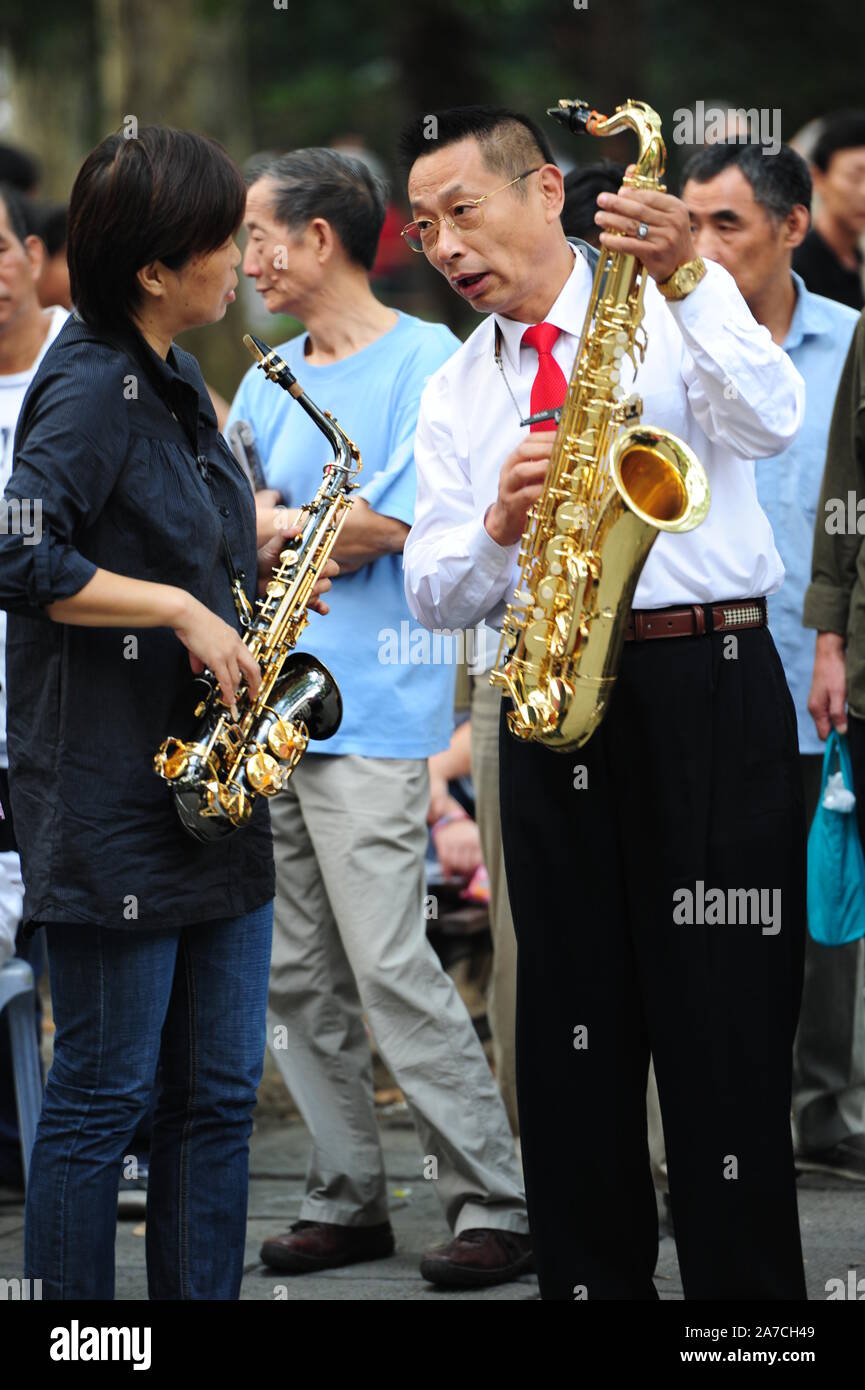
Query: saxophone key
point(264, 774)
point(231, 799)
point(552, 593)
point(570, 517)
point(538, 636)
point(172, 760)
point(557, 552)
point(284, 738)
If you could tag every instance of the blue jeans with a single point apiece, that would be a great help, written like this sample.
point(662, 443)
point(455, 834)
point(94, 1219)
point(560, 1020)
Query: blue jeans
point(192, 1002)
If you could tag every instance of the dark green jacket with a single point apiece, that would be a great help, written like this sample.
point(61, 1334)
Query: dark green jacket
point(835, 598)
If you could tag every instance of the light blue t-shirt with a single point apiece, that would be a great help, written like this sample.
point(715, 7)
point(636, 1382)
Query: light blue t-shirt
point(788, 486)
point(397, 684)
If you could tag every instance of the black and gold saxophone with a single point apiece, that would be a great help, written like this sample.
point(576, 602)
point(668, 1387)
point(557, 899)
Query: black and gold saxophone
point(216, 774)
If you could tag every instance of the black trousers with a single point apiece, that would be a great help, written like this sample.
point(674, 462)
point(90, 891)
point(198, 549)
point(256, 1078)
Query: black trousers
point(692, 779)
point(856, 744)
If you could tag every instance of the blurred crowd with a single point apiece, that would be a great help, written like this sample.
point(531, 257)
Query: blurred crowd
point(394, 827)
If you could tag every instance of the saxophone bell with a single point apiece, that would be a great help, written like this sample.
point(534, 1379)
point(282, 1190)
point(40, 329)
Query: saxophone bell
point(660, 478)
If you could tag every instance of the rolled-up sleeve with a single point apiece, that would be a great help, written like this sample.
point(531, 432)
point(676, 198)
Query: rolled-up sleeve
point(836, 556)
point(391, 491)
point(455, 573)
point(61, 478)
point(742, 387)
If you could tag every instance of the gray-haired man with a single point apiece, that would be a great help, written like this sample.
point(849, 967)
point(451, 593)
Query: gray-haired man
point(350, 833)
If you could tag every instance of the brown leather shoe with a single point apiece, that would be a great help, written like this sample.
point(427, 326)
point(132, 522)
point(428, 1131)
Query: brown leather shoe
point(479, 1257)
point(311, 1245)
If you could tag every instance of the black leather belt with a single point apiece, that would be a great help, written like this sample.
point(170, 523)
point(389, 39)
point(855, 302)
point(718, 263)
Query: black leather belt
point(696, 619)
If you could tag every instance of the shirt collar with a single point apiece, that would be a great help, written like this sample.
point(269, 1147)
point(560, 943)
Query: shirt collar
point(567, 313)
point(166, 375)
point(810, 316)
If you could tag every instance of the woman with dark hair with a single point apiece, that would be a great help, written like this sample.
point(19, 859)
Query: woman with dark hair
point(158, 945)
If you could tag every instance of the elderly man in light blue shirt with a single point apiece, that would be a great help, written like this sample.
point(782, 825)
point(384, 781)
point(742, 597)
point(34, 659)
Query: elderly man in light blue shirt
point(749, 210)
point(350, 949)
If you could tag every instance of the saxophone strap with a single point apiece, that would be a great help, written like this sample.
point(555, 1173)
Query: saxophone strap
point(235, 576)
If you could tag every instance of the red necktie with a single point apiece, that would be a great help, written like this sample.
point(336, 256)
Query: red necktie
point(549, 387)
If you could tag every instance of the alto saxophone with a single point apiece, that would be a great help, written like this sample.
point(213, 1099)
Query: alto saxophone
point(218, 771)
point(612, 485)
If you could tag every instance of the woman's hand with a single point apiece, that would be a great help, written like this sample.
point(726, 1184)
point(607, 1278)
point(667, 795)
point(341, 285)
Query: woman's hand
point(274, 520)
point(267, 498)
point(268, 559)
point(328, 574)
point(215, 644)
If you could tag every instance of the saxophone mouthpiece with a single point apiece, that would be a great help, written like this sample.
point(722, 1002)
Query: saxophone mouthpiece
point(256, 346)
point(271, 364)
point(574, 115)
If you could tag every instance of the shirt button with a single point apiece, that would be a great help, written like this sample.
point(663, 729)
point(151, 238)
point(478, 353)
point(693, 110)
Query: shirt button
point(223, 511)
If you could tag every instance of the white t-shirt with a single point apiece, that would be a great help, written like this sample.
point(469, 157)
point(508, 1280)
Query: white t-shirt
point(13, 389)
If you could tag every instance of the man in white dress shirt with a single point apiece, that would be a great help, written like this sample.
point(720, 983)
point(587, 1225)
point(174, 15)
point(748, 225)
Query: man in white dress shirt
point(623, 876)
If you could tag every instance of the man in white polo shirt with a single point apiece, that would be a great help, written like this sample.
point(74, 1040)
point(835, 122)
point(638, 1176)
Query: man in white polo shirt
point(691, 784)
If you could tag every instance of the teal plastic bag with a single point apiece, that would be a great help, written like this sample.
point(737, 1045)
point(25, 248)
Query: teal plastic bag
point(836, 864)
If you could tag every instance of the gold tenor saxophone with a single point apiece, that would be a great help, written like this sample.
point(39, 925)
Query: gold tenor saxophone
point(218, 771)
point(608, 492)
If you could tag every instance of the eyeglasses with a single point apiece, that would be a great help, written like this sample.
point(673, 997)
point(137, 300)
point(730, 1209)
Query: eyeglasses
point(465, 216)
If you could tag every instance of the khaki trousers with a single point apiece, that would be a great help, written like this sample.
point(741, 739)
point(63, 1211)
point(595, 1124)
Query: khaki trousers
point(350, 941)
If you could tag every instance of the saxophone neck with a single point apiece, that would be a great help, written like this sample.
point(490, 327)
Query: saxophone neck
point(636, 116)
point(346, 455)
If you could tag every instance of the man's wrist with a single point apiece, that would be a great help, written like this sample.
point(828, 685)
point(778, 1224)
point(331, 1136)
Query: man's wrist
point(683, 280)
point(493, 525)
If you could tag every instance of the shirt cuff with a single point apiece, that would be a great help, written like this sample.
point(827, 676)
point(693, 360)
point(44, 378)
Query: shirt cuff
point(826, 608)
point(493, 560)
point(59, 571)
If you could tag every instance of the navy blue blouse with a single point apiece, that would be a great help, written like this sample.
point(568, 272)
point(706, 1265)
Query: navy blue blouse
point(107, 443)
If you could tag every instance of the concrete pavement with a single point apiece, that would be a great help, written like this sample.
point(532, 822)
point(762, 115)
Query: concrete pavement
point(832, 1214)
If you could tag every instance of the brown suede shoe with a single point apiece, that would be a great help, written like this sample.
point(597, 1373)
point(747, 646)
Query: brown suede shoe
point(479, 1257)
point(311, 1245)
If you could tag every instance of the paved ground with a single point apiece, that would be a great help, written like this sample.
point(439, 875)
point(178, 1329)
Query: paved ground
point(832, 1216)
